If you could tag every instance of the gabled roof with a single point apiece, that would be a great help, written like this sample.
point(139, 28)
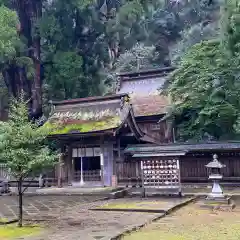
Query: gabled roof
point(149, 105)
point(88, 115)
point(146, 73)
point(90, 99)
point(95, 115)
point(144, 90)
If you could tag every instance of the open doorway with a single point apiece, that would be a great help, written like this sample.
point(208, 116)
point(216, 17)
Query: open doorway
point(91, 168)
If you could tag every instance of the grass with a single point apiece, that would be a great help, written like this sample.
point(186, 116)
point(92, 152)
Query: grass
point(134, 205)
point(9, 232)
point(3, 220)
point(192, 223)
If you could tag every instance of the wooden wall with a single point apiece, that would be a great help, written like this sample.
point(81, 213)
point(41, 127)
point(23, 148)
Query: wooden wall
point(192, 169)
point(157, 130)
point(128, 171)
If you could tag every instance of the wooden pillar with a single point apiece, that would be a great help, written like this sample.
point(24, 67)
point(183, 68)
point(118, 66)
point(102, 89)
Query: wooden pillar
point(69, 166)
point(101, 165)
point(107, 163)
point(60, 163)
point(118, 157)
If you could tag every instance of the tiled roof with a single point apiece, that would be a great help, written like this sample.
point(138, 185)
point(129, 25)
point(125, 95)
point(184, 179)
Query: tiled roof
point(149, 105)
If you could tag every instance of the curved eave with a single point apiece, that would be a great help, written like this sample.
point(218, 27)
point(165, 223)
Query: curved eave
point(86, 134)
point(138, 133)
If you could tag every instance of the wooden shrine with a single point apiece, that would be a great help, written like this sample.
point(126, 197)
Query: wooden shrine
point(118, 139)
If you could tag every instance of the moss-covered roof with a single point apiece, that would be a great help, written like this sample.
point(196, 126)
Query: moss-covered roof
point(84, 127)
point(86, 117)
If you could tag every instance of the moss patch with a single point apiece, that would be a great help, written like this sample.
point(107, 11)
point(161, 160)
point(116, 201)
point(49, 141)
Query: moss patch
point(192, 223)
point(135, 205)
point(3, 220)
point(90, 126)
point(8, 232)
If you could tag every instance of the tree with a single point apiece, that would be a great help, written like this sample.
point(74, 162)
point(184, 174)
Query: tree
point(60, 44)
point(14, 64)
point(205, 88)
point(23, 147)
point(29, 13)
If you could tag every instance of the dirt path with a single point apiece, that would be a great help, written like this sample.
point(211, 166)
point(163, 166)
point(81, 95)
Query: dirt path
point(193, 223)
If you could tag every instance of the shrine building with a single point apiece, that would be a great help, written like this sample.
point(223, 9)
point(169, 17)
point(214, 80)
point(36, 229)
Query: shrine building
point(115, 135)
point(94, 131)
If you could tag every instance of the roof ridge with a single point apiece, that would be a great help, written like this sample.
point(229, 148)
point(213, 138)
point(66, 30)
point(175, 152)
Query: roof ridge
point(145, 72)
point(90, 99)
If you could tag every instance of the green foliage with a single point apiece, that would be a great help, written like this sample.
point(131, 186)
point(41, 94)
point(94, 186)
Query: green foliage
point(205, 88)
point(191, 36)
point(84, 42)
point(138, 58)
point(64, 76)
point(22, 145)
point(9, 39)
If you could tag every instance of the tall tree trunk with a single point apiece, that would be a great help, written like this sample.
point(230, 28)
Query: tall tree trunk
point(20, 203)
point(35, 9)
point(37, 84)
point(29, 12)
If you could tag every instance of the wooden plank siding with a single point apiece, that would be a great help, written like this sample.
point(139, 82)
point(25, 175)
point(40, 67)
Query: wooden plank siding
point(128, 172)
point(192, 170)
point(157, 130)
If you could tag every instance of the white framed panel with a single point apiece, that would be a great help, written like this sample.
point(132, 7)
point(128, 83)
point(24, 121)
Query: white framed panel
point(75, 152)
point(101, 159)
point(89, 152)
point(81, 152)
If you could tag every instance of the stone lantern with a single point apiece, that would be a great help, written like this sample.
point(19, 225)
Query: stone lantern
point(215, 175)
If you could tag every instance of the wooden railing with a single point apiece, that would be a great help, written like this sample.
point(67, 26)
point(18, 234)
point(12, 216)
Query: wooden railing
point(91, 175)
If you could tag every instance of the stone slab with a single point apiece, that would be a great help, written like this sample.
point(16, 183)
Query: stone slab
point(80, 223)
point(41, 207)
point(151, 205)
point(100, 191)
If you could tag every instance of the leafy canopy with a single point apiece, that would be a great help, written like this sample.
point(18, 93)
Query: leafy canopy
point(8, 35)
point(23, 147)
point(205, 88)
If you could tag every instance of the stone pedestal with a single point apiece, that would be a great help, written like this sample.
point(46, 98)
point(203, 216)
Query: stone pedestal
point(222, 204)
point(217, 192)
point(216, 199)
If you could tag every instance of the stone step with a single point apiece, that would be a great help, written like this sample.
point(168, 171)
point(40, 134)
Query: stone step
point(225, 200)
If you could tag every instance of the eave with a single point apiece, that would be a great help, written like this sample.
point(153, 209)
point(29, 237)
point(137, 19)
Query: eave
point(184, 147)
point(82, 135)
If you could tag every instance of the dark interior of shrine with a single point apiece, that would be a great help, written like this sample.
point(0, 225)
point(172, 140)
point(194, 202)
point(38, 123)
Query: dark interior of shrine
point(89, 163)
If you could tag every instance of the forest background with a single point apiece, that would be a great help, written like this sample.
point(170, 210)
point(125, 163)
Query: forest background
point(63, 49)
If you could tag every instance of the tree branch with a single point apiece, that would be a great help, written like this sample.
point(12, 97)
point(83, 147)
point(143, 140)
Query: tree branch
point(28, 185)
